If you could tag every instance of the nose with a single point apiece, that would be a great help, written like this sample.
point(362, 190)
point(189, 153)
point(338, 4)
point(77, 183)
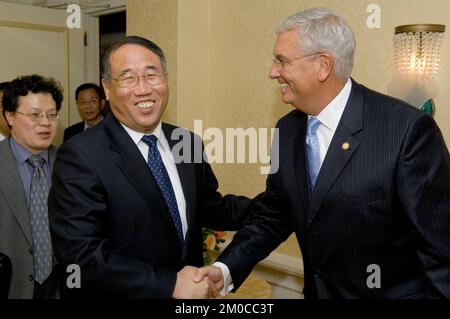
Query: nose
point(274, 72)
point(44, 121)
point(142, 87)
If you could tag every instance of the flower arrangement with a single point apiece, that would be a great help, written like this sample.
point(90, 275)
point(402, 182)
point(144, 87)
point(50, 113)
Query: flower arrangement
point(211, 241)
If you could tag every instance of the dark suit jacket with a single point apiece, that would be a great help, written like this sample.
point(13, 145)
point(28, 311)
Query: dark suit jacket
point(384, 201)
point(73, 130)
point(5, 276)
point(15, 227)
point(108, 215)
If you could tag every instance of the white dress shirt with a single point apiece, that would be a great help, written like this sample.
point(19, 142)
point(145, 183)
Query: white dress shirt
point(169, 163)
point(329, 119)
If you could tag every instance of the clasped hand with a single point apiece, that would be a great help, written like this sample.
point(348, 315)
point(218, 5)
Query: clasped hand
point(198, 283)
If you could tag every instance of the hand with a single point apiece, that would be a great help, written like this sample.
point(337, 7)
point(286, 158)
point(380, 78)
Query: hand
point(215, 276)
point(187, 287)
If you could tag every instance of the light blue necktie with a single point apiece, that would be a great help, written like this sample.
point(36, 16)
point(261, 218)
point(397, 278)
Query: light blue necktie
point(312, 151)
point(162, 179)
point(42, 248)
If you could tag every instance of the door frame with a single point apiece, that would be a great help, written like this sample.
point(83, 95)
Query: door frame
point(92, 38)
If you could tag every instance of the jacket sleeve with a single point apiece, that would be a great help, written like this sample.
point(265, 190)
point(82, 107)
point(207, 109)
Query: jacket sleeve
point(265, 228)
point(423, 185)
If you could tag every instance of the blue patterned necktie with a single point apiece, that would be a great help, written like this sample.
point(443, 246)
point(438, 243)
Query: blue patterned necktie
point(162, 179)
point(42, 248)
point(312, 151)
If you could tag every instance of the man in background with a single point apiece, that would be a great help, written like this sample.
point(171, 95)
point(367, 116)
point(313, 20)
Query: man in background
point(31, 105)
point(89, 97)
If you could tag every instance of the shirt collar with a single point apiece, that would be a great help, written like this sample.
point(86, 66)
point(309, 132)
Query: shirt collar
point(331, 114)
point(86, 125)
point(22, 154)
point(137, 136)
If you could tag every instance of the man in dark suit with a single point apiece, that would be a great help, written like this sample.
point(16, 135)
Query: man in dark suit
point(31, 105)
point(89, 97)
point(129, 198)
point(364, 179)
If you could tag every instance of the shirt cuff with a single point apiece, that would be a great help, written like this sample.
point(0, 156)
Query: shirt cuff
point(227, 280)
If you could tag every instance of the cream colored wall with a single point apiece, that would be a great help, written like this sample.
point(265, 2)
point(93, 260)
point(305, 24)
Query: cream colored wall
point(157, 20)
point(220, 51)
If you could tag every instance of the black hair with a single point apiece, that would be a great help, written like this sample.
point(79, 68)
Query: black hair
point(3, 85)
point(22, 85)
point(87, 86)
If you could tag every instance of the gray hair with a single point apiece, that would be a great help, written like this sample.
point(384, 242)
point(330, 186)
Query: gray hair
point(106, 67)
point(322, 30)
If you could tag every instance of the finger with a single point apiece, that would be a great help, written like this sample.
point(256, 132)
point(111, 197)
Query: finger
point(201, 273)
point(213, 292)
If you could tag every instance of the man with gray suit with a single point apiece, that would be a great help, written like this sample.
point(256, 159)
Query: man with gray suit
point(31, 105)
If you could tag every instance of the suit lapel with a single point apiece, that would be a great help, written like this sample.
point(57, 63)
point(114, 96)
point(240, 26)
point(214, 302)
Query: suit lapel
point(12, 188)
point(132, 164)
point(299, 162)
point(185, 168)
point(342, 147)
point(186, 172)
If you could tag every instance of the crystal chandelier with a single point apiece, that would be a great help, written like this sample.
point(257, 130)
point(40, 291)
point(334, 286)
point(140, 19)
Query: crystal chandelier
point(416, 57)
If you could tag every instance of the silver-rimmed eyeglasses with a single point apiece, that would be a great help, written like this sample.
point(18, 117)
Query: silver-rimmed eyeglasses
point(129, 81)
point(281, 63)
point(37, 117)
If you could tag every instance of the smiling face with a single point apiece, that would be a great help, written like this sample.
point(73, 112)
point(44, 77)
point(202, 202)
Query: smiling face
point(89, 106)
point(141, 107)
point(34, 136)
point(297, 76)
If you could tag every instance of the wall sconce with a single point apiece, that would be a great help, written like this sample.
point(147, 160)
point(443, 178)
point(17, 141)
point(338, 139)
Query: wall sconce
point(416, 56)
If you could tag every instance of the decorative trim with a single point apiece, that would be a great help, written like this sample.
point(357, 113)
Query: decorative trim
point(420, 28)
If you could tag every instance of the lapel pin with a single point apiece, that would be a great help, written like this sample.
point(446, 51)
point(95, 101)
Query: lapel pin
point(345, 146)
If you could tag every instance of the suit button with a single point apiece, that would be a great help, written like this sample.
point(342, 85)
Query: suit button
point(317, 274)
point(30, 278)
point(30, 251)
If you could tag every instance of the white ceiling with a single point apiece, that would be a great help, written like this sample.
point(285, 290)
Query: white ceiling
point(62, 3)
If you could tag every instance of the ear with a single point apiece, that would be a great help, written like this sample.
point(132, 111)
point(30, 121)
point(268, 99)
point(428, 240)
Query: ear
point(9, 118)
point(326, 67)
point(107, 88)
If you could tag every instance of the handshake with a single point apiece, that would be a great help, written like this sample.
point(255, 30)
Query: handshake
point(198, 283)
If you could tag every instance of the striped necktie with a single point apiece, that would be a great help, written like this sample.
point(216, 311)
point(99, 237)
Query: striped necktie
point(42, 248)
point(162, 179)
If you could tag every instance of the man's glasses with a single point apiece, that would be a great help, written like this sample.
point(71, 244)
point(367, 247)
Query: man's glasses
point(37, 117)
point(129, 81)
point(90, 101)
point(281, 63)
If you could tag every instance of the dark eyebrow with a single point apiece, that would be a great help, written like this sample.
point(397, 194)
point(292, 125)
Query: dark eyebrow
point(125, 71)
point(147, 68)
point(152, 68)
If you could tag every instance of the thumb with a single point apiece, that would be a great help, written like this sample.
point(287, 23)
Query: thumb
point(201, 273)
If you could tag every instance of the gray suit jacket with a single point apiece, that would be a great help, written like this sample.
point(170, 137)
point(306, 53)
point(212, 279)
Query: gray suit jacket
point(15, 229)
